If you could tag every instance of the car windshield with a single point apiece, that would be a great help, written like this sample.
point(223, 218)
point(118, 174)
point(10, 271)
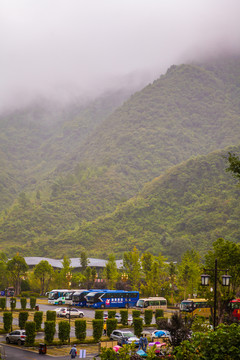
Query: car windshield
point(128, 334)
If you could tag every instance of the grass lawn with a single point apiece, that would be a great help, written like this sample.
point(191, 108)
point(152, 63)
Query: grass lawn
point(65, 349)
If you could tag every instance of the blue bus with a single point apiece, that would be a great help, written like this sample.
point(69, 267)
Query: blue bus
point(101, 299)
point(79, 298)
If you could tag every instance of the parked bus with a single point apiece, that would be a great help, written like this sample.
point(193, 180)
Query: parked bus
point(57, 296)
point(152, 303)
point(10, 291)
point(69, 296)
point(195, 307)
point(234, 306)
point(79, 299)
point(102, 299)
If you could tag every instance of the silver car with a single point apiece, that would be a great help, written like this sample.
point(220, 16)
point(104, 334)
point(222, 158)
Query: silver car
point(16, 336)
point(124, 337)
point(73, 312)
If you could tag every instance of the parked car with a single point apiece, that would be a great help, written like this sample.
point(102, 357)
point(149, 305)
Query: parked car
point(16, 336)
point(166, 334)
point(130, 320)
point(117, 316)
point(124, 337)
point(59, 310)
point(73, 312)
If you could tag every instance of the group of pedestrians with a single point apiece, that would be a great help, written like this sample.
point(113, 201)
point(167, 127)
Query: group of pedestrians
point(143, 343)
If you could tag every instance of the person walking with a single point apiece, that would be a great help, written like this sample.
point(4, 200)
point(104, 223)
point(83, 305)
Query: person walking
point(145, 343)
point(73, 352)
point(105, 329)
point(140, 343)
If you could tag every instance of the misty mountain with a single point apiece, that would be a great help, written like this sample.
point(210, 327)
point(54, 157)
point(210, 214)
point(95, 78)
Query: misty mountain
point(36, 138)
point(89, 161)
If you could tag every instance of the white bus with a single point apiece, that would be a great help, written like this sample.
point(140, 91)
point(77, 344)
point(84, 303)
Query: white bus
point(151, 303)
point(57, 296)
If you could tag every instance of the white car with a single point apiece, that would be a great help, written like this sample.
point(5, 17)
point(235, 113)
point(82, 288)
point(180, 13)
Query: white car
point(72, 312)
point(117, 316)
point(130, 320)
point(16, 336)
point(58, 311)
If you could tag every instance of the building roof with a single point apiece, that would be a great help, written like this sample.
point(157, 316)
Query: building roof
point(75, 262)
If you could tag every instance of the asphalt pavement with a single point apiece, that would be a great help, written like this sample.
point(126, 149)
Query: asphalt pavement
point(14, 352)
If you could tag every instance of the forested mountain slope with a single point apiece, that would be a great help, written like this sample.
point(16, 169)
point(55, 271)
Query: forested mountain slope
point(36, 138)
point(191, 110)
point(92, 158)
point(190, 206)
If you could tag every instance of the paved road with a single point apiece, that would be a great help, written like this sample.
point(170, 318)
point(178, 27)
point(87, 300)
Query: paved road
point(16, 353)
point(89, 313)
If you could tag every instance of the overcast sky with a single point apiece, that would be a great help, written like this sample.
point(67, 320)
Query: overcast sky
point(68, 47)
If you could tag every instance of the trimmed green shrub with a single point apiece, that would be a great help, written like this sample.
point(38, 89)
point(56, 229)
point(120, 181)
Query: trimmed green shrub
point(22, 318)
point(111, 314)
point(23, 301)
point(161, 323)
point(32, 302)
point(30, 328)
point(111, 325)
point(51, 315)
point(13, 303)
point(124, 317)
point(97, 329)
point(81, 329)
point(110, 354)
point(28, 294)
point(98, 314)
point(7, 321)
point(138, 326)
point(49, 330)
point(3, 303)
point(63, 330)
point(159, 313)
point(136, 313)
point(38, 317)
point(148, 315)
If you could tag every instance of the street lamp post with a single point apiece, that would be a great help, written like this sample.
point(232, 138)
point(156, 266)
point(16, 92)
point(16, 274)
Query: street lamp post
point(205, 282)
point(69, 308)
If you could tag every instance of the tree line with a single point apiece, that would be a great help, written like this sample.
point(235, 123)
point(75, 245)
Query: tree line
point(151, 275)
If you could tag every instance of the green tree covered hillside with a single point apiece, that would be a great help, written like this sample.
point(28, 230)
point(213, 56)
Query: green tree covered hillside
point(60, 170)
point(35, 139)
point(189, 207)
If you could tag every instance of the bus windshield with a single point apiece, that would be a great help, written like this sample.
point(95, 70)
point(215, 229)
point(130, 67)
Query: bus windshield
point(186, 306)
point(68, 295)
point(53, 295)
point(91, 297)
point(140, 303)
point(79, 295)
